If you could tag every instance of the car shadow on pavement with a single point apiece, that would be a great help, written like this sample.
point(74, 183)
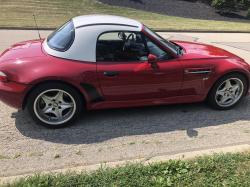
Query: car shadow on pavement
point(101, 125)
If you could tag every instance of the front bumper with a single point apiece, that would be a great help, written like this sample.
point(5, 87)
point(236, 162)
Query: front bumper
point(13, 94)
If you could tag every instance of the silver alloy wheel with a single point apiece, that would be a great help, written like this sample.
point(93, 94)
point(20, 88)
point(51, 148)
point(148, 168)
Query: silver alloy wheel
point(229, 92)
point(54, 106)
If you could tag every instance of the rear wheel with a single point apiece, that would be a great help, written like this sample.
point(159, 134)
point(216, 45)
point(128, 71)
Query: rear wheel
point(227, 91)
point(54, 105)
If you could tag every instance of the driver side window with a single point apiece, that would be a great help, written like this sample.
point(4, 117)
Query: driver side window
point(120, 47)
point(157, 51)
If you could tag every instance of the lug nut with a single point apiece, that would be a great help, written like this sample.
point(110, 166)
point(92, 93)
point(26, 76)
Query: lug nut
point(53, 109)
point(59, 107)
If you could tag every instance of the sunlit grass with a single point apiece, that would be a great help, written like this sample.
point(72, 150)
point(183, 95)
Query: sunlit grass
point(230, 169)
point(18, 13)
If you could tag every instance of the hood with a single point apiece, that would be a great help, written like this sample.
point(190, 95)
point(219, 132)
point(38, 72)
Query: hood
point(27, 49)
point(198, 51)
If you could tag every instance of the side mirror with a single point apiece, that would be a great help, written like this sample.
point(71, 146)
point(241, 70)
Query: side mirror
point(122, 35)
point(152, 59)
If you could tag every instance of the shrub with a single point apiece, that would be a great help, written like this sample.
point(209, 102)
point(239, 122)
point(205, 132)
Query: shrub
point(244, 2)
point(224, 4)
point(248, 13)
point(230, 4)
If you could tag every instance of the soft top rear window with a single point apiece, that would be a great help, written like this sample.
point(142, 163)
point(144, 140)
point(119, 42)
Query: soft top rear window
point(62, 38)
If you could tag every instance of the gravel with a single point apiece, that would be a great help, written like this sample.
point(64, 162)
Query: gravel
point(181, 8)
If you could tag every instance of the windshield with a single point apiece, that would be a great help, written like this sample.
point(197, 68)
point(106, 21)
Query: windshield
point(62, 38)
point(162, 40)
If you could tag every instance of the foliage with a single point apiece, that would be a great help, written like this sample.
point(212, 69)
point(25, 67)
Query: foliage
point(248, 13)
point(244, 2)
point(224, 4)
point(229, 4)
point(4, 157)
point(217, 170)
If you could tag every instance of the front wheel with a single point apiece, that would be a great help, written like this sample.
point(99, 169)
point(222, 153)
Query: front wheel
point(54, 105)
point(227, 91)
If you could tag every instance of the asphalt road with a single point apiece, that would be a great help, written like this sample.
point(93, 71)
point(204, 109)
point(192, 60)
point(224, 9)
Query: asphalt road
point(120, 134)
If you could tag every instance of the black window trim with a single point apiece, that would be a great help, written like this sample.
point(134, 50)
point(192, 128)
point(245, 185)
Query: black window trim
point(145, 43)
point(72, 41)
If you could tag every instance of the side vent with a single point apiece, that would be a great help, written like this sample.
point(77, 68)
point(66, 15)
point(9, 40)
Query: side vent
point(198, 71)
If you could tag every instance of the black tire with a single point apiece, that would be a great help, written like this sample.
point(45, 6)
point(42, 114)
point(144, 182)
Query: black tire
point(41, 118)
point(212, 99)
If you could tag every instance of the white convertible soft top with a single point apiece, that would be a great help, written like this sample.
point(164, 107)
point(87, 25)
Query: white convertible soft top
point(87, 30)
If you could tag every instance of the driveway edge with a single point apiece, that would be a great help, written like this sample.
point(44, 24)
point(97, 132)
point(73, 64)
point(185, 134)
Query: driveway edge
point(181, 156)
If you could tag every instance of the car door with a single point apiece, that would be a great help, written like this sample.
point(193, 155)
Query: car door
point(125, 74)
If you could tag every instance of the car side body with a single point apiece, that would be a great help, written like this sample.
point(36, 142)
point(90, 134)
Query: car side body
point(184, 78)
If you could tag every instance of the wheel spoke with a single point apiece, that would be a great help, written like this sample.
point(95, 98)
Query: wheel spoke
point(232, 96)
point(223, 89)
point(68, 105)
point(228, 84)
point(46, 99)
point(47, 110)
point(59, 96)
point(58, 113)
point(223, 100)
point(235, 87)
point(220, 92)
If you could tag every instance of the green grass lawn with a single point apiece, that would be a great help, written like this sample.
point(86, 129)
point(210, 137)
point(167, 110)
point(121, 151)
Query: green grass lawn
point(53, 13)
point(217, 170)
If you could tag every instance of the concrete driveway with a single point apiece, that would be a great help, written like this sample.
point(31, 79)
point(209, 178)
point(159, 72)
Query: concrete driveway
point(120, 134)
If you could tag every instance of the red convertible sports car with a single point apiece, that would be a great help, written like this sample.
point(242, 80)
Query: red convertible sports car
point(101, 61)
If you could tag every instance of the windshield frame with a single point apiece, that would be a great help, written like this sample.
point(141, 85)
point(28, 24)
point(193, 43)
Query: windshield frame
point(70, 22)
point(165, 42)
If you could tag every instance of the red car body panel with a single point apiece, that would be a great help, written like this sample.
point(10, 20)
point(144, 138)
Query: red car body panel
point(31, 71)
point(26, 64)
point(219, 66)
point(13, 94)
point(200, 56)
point(201, 51)
point(137, 80)
point(21, 50)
